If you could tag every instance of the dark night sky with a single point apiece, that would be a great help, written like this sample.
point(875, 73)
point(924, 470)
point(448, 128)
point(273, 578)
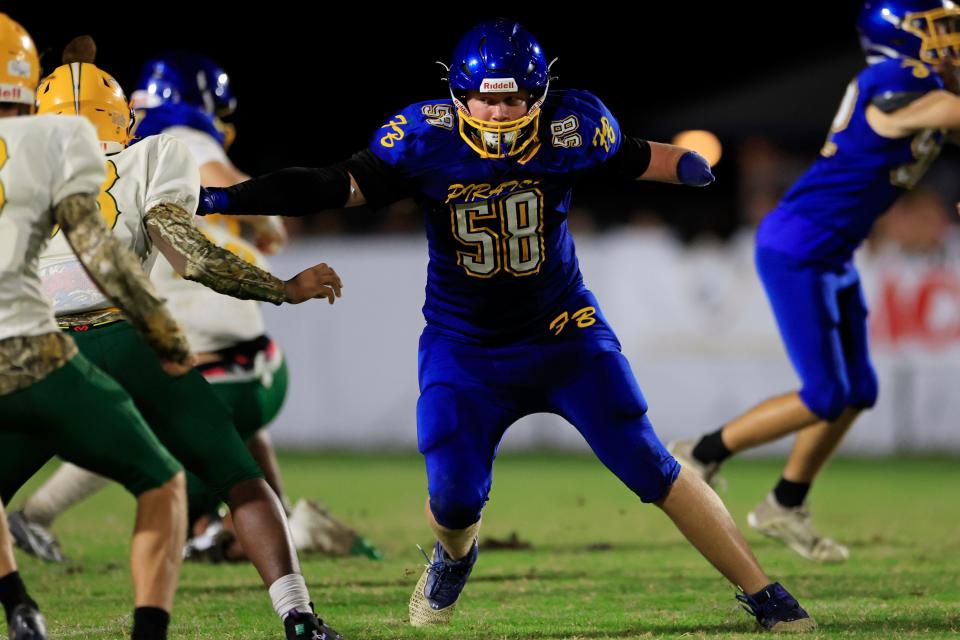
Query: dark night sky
point(310, 91)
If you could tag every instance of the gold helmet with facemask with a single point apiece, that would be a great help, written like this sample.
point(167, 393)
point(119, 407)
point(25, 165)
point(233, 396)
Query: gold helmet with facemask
point(79, 87)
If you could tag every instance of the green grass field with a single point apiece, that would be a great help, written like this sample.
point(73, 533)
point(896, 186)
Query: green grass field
point(602, 565)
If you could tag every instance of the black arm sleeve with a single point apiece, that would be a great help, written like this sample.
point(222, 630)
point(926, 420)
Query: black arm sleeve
point(630, 161)
point(380, 183)
point(300, 191)
point(296, 191)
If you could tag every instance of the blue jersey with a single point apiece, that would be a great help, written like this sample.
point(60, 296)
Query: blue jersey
point(155, 120)
point(829, 211)
point(502, 261)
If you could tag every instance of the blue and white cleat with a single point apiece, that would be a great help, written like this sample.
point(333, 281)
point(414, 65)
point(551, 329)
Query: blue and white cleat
point(777, 611)
point(439, 586)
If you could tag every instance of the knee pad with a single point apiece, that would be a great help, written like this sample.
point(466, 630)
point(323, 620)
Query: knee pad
point(657, 480)
point(640, 461)
point(865, 389)
point(457, 509)
point(827, 399)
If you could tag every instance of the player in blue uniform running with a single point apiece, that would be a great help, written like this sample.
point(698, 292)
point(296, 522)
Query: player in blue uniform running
point(510, 327)
point(891, 124)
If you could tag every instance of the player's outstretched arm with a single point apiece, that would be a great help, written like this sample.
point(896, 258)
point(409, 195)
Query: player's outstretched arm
point(933, 110)
point(118, 273)
point(296, 191)
point(195, 258)
point(676, 165)
point(268, 232)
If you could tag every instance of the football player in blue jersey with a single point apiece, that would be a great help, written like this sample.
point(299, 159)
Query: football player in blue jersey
point(510, 327)
point(891, 124)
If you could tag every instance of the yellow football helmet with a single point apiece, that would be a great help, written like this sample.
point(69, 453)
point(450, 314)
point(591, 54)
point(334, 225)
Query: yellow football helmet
point(19, 63)
point(83, 89)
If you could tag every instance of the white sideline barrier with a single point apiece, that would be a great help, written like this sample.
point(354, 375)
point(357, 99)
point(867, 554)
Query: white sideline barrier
point(693, 322)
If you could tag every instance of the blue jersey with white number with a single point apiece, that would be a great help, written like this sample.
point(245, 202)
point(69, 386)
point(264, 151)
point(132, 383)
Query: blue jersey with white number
point(502, 261)
point(829, 211)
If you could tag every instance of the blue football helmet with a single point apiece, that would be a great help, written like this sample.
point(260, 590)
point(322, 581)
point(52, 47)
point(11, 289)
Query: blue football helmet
point(187, 78)
point(927, 30)
point(499, 56)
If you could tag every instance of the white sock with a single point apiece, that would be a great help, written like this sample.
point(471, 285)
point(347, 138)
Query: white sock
point(289, 592)
point(65, 488)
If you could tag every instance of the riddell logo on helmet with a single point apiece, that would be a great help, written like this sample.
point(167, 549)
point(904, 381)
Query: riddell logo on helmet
point(498, 85)
point(12, 93)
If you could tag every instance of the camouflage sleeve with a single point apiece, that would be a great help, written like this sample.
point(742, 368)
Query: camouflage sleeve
point(26, 360)
point(212, 266)
point(119, 274)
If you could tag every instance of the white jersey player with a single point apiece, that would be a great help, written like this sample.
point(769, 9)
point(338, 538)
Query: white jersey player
point(50, 171)
point(148, 199)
